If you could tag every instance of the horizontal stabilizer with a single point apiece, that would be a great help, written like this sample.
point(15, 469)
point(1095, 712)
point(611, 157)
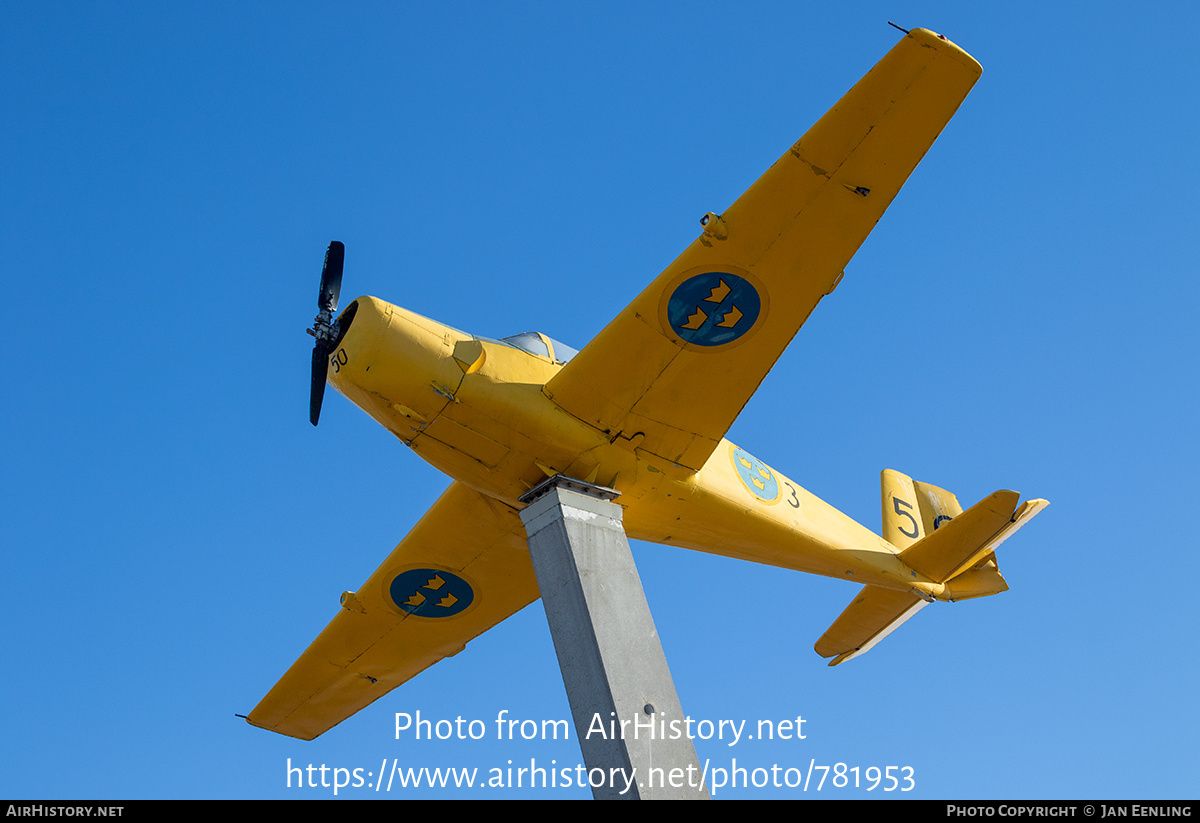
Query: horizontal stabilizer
point(946, 546)
point(962, 542)
point(869, 618)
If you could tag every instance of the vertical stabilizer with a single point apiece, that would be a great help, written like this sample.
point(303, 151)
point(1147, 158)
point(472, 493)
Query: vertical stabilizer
point(913, 510)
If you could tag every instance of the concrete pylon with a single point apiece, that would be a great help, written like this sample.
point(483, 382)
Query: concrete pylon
point(626, 712)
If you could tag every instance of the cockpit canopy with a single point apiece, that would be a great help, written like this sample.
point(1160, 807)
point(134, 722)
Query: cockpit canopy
point(537, 343)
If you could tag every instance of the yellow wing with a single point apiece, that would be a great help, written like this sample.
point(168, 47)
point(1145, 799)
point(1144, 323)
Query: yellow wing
point(461, 570)
point(678, 364)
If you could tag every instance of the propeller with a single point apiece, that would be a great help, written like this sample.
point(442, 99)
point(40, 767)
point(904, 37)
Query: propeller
point(325, 328)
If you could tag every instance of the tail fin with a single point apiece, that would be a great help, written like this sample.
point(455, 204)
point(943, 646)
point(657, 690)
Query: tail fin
point(939, 541)
point(912, 509)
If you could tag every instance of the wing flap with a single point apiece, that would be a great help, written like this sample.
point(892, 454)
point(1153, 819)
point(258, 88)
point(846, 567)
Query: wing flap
point(461, 570)
point(680, 362)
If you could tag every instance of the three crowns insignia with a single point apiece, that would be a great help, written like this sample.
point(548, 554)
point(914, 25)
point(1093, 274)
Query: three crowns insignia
point(728, 321)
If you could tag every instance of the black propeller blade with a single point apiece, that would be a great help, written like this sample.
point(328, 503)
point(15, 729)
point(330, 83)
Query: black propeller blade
point(320, 370)
point(325, 329)
point(331, 277)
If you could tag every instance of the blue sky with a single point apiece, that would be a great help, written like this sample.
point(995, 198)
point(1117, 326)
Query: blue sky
point(175, 532)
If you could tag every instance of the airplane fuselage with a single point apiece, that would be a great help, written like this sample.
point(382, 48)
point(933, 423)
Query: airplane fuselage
point(475, 409)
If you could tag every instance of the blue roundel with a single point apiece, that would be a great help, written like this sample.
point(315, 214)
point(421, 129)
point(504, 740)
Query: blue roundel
point(713, 309)
point(756, 477)
point(431, 592)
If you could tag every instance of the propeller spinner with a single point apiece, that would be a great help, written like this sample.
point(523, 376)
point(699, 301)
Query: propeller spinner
point(325, 328)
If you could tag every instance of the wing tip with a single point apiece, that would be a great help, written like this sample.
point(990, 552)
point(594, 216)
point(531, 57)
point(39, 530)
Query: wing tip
point(283, 729)
point(942, 43)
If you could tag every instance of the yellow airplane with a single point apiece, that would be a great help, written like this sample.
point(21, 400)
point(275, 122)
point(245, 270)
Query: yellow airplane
point(644, 409)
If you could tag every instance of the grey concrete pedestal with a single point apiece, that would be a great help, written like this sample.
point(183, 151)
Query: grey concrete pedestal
point(626, 712)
